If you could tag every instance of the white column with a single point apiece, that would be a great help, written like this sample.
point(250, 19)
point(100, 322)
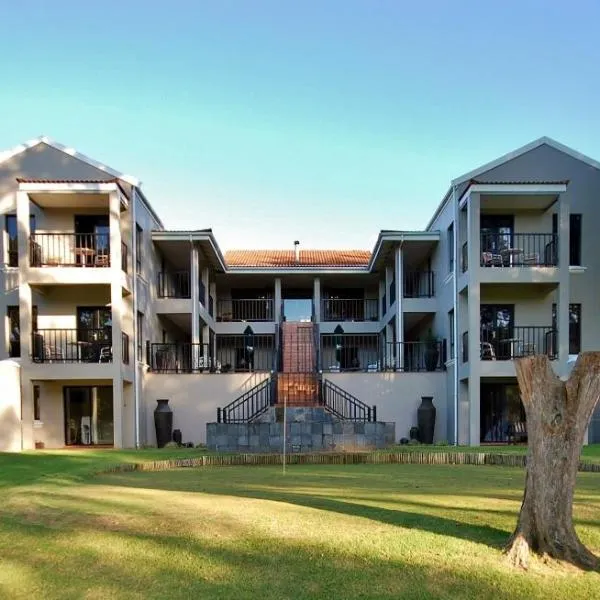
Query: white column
point(27, 434)
point(474, 317)
point(116, 303)
point(206, 284)
point(317, 299)
point(399, 313)
point(195, 285)
point(564, 292)
point(277, 300)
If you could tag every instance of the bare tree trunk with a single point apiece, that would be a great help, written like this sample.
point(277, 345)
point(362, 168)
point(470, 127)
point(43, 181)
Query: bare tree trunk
point(558, 414)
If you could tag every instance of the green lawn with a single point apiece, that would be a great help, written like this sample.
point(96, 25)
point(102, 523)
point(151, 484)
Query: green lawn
point(363, 531)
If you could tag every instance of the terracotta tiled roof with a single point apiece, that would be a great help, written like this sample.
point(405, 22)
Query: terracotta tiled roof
point(30, 180)
point(272, 259)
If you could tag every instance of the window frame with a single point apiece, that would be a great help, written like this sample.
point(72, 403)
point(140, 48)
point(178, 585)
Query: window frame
point(140, 329)
point(450, 233)
point(452, 340)
point(139, 236)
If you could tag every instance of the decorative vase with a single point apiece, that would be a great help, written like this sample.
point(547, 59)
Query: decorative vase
point(163, 423)
point(426, 420)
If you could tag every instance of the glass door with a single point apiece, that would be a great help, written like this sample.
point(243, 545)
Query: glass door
point(88, 416)
point(93, 235)
point(496, 233)
point(497, 330)
point(94, 333)
point(502, 414)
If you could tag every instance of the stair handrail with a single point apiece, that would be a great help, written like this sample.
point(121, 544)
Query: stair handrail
point(250, 405)
point(344, 405)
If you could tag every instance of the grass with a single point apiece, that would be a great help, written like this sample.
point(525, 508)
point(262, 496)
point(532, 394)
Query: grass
point(362, 531)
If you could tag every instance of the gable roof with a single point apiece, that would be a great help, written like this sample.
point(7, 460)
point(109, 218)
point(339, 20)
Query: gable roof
point(8, 154)
point(274, 259)
point(462, 182)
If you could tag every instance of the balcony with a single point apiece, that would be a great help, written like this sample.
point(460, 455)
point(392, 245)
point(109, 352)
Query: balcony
point(419, 284)
point(72, 346)
point(174, 284)
point(349, 309)
point(508, 343)
point(519, 250)
point(69, 250)
point(415, 357)
point(233, 353)
point(249, 309)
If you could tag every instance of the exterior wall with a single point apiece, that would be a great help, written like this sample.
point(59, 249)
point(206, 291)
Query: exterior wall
point(194, 400)
point(398, 395)
point(10, 406)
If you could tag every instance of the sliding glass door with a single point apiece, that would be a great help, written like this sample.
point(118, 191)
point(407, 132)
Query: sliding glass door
point(88, 415)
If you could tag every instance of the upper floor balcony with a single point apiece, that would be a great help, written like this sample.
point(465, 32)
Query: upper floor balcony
point(510, 249)
point(174, 284)
point(71, 249)
point(245, 309)
point(349, 309)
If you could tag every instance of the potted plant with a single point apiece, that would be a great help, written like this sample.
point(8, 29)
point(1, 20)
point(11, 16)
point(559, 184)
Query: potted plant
point(432, 352)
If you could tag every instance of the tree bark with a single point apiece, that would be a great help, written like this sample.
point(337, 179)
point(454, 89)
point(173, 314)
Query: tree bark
point(558, 414)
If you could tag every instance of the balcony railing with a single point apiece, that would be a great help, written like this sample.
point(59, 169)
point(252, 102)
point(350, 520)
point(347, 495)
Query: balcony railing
point(69, 250)
point(419, 284)
point(174, 284)
point(347, 352)
point(414, 357)
point(508, 343)
point(72, 345)
point(233, 353)
point(349, 309)
point(464, 258)
point(519, 249)
point(251, 309)
point(124, 257)
point(125, 348)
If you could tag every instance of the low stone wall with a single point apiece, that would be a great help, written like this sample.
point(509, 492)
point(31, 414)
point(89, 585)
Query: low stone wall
point(301, 436)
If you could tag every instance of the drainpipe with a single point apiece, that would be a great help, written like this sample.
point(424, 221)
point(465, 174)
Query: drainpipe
point(136, 391)
point(456, 311)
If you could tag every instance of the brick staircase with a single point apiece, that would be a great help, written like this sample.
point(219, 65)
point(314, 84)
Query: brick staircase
point(297, 384)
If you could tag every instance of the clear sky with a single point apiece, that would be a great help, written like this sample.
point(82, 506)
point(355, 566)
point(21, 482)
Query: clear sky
point(323, 121)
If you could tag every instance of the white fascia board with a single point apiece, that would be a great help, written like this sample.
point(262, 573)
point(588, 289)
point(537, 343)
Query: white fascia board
point(61, 188)
point(191, 236)
point(524, 189)
point(401, 237)
point(296, 271)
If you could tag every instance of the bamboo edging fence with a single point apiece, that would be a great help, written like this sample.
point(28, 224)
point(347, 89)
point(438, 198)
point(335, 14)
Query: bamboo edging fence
point(338, 458)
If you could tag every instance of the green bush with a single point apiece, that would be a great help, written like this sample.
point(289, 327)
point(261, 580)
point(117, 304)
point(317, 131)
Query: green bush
point(171, 445)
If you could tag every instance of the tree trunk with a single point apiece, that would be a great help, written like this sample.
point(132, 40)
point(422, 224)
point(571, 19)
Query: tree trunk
point(558, 414)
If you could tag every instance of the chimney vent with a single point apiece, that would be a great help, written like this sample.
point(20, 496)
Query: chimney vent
point(297, 251)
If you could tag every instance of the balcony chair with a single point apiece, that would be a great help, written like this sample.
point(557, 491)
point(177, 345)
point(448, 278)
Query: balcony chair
point(532, 258)
point(105, 354)
point(53, 354)
point(487, 351)
point(205, 363)
point(490, 259)
point(102, 260)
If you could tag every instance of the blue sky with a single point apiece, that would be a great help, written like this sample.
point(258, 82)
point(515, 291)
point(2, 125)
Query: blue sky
point(320, 121)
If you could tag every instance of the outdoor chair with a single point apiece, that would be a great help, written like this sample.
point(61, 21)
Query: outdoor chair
point(489, 259)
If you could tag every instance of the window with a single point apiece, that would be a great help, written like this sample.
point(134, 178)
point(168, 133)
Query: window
point(574, 237)
point(14, 329)
point(140, 331)
point(451, 324)
point(36, 403)
point(574, 327)
point(12, 235)
point(451, 248)
point(139, 234)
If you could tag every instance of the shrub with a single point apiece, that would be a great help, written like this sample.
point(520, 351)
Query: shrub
point(171, 445)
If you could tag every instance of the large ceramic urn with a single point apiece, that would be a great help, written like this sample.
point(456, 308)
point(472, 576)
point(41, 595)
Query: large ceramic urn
point(426, 420)
point(163, 422)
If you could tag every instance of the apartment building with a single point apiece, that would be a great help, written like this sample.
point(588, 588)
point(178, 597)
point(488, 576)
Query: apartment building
point(106, 311)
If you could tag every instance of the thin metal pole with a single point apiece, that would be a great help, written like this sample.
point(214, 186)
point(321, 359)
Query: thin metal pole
point(284, 431)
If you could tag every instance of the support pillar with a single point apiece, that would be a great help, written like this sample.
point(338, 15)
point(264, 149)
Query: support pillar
point(474, 317)
point(399, 313)
point(277, 299)
point(564, 292)
point(317, 299)
point(195, 295)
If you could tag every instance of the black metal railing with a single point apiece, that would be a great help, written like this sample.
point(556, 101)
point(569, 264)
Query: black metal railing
point(508, 343)
point(349, 309)
point(344, 405)
point(250, 405)
point(419, 284)
point(416, 356)
point(69, 250)
point(349, 352)
point(519, 249)
point(249, 309)
point(124, 348)
point(233, 353)
point(174, 284)
point(124, 257)
point(465, 346)
point(72, 345)
point(464, 258)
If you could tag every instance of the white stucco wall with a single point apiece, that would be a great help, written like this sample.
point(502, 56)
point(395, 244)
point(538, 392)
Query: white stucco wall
point(10, 406)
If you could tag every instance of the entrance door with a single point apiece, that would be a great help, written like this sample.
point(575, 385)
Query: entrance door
point(88, 415)
point(94, 332)
point(93, 232)
point(502, 415)
point(496, 233)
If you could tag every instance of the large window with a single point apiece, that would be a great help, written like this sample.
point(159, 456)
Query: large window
point(496, 232)
point(574, 237)
point(451, 248)
point(12, 237)
point(36, 403)
point(139, 236)
point(574, 327)
point(451, 325)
